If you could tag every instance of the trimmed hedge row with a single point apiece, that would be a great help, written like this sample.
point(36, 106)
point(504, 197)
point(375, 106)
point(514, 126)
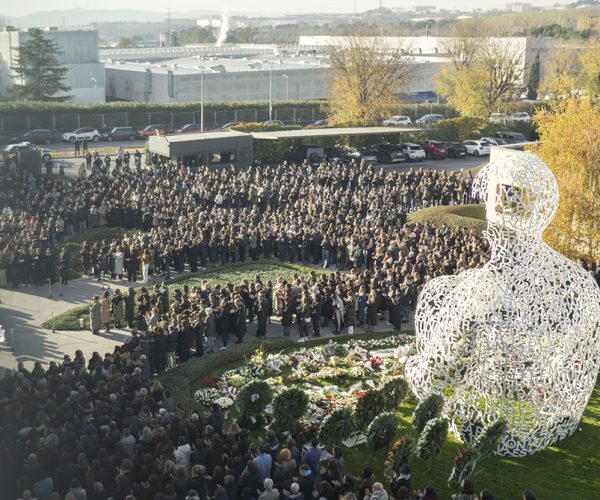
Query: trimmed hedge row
point(181, 379)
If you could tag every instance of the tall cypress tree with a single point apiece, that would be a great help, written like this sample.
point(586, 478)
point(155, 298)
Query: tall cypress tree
point(38, 70)
point(534, 78)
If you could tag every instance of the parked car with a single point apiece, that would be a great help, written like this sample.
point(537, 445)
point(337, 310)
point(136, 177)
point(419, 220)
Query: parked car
point(45, 153)
point(430, 119)
point(188, 128)
point(456, 150)
point(435, 150)
point(397, 121)
point(228, 125)
point(389, 153)
point(477, 148)
point(494, 141)
point(512, 137)
point(520, 117)
point(300, 152)
point(122, 134)
point(345, 155)
point(369, 155)
point(498, 118)
point(413, 152)
point(279, 123)
point(91, 134)
point(318, 124)
point(154, 130)
point(35, 136)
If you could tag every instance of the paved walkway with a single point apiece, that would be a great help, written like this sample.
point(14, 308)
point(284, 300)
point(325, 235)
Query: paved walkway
point(25, 309)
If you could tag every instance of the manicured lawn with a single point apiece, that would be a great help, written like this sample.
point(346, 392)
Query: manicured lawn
point(469, 216)
point(568, 470)
point(69, 320)
point(234, 273)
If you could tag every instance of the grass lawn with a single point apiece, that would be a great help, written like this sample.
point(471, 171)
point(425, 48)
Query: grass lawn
point(234, 273)
point(469, 216)
point(69, 320)
point(568, 470)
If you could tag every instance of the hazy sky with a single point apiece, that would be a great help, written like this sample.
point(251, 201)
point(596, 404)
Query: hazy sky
point(12, 8)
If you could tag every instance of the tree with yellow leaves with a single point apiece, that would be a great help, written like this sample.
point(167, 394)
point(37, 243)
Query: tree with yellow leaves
point(570, 145)
point(478, 85)
point(368, 74)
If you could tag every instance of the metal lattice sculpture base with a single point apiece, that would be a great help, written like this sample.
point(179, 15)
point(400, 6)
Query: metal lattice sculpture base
point(519, 338)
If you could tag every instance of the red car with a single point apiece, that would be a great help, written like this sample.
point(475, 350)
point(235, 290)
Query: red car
point(435, 150)
point(188, 127)
point(154, 130)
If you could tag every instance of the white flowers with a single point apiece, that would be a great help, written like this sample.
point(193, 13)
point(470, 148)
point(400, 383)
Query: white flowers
point(255, 397)
point(206, 397)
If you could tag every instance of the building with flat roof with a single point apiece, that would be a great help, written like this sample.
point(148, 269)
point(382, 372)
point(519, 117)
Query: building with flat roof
point(78, 52)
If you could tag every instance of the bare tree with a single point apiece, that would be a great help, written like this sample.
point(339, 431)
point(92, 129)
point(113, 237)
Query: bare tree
point(465, 43)
point(368, 74)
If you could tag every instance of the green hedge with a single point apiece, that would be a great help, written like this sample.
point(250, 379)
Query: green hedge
point(57, 108)
point(69, 320)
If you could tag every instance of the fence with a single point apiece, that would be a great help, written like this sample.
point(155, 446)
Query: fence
point(212, 118)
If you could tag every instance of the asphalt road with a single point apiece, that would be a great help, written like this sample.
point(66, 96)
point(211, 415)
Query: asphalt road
point(104, 147)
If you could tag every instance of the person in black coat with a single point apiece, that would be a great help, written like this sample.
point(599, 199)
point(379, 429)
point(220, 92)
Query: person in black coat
point(287, 316)
point(316, 310)
point(240, 318)
point(222, 320)
point(183, 341)
point(262, 315)
point(172, 341)
point(160, 348)
point(129, 307)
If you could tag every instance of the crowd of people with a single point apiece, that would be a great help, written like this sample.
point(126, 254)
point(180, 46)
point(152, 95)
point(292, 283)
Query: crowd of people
point(104, 428)
point(335, 215)
point(192, 320)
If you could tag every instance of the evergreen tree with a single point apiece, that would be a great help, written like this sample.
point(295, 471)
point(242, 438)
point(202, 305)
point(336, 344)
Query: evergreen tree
point(38, 70)
point(534, 78)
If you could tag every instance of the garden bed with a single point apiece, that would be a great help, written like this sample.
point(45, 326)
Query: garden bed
point(574, 461)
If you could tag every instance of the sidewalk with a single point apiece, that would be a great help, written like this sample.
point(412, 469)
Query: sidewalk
point(25, 309)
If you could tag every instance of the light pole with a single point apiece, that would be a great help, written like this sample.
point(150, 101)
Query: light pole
point(287, 87)
point(271, 92)
point(201, 98)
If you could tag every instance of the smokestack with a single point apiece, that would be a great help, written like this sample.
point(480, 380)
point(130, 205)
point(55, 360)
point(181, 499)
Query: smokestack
point(223, 30)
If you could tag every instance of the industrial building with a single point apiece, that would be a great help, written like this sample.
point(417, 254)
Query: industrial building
point(78, 52)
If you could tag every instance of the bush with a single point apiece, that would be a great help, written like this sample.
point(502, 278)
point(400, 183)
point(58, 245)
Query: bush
point(460, 129)
point(432, 439)
point(428, 409)
point(489, 438)
point(336, 426)
point(252, 400)
point(69, 320)
point(395, 391)
point(368, 407)
point(288, 408)
point(382, 430)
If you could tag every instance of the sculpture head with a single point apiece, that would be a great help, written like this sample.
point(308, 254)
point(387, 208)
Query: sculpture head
point(520, 193)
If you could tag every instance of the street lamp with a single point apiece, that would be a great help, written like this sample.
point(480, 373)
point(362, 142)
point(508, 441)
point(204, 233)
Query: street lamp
point(271, 92)
point(287, 87)
point(201, 98)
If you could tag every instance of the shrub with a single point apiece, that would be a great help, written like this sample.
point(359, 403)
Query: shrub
point(368, 407)
point(395, 391)
point(428, 409)
point(288, 408)
point(382, 430)
point(489, 438)
point(252, 400)
point(460, 129)
point(338, 425)
point(432, 439)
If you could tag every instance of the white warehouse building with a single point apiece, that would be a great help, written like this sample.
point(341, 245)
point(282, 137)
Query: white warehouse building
point(78, 52)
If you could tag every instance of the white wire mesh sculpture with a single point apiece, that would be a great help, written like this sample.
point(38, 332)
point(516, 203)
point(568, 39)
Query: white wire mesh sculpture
point(518, 338)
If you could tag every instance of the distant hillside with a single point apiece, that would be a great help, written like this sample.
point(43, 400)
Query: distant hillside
point(79, 17)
